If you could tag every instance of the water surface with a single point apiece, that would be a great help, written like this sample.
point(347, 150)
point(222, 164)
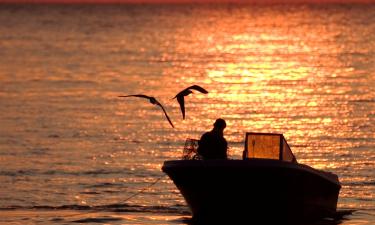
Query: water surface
point(72, 151)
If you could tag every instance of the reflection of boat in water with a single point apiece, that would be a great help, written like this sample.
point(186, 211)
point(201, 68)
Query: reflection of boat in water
point(267, 185)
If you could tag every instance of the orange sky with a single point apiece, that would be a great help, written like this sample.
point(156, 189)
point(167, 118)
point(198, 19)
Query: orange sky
point(184, 1)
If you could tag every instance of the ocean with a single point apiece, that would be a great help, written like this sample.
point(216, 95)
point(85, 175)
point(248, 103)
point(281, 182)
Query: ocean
point(72, 151)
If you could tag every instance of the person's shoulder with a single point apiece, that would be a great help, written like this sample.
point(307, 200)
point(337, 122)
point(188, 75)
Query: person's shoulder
point(205, 134)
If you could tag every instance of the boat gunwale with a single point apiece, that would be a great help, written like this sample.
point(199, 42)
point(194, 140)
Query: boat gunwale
point(266, 163)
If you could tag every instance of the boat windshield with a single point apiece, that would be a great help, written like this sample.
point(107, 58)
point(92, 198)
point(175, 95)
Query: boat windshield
point(268, 146)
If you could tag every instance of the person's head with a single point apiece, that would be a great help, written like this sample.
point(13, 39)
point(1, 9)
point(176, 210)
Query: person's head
point(220, 124)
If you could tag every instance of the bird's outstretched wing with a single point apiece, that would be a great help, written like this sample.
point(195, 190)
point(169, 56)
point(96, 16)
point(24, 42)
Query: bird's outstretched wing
point(141, 96)
point(153, 101)
point(180, 96)
point(181, 102)
point(198, 88)
point(165, 113)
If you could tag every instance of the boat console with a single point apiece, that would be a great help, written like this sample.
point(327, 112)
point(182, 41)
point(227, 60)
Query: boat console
point(267, 146)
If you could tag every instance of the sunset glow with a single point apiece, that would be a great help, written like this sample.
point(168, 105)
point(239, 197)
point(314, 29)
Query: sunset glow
point(72, 151)
point(185, 1)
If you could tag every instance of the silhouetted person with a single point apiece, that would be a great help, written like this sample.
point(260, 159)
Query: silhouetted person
point(212, 144)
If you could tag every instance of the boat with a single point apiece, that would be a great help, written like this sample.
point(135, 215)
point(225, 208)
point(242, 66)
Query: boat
point(267, 185)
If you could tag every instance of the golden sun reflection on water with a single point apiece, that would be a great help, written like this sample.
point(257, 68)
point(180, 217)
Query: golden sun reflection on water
point(271, 79)
point(268, 80)
point(285, 70)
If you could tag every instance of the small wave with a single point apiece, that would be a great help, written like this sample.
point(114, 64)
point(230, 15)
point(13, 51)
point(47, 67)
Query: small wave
point(140, 208)
point(98, 220)
point(364, 100)
point(364, 183)
point(341, 213)
point(53, 136)
point(61, 172)
point(105, 184)
point(18, 172)
point(365, 199)
point(90, 193)
point(46, 207)
point(177, 209)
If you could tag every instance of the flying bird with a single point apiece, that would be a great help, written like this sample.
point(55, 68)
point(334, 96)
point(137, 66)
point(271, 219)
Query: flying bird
point(180, 96)
point(153, 101)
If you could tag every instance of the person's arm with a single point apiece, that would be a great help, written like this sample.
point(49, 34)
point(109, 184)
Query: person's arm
point(201, 144)
point(226, 148)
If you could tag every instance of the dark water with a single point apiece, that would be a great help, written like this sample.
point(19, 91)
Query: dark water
point(72, 152)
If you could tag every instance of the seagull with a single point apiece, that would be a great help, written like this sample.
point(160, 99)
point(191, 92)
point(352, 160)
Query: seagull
point(180, 96)
point(153, 101)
